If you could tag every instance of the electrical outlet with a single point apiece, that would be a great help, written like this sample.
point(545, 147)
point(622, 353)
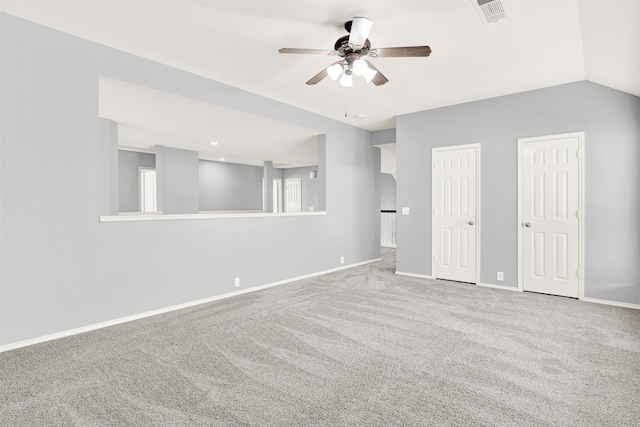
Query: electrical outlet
point(500, 276)
point(237, 282)
point(341, 260)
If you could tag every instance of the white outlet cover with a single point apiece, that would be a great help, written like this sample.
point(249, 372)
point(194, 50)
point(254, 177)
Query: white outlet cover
point(405, 211)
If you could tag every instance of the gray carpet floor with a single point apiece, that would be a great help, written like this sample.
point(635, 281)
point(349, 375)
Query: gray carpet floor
point(358, 347)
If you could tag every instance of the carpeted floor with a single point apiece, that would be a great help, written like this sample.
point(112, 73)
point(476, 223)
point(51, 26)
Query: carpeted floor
point(358, 347)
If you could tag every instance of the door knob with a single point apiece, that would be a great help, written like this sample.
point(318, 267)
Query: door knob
point(527, 224)
point(471, 222)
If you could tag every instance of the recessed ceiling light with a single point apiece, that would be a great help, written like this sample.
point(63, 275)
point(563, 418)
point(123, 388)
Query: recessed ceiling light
point(214, 143)
point(358, 116)
point(222, 159)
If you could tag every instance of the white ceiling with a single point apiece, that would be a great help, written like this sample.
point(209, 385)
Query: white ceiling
point(148, 117)
point(540, 44)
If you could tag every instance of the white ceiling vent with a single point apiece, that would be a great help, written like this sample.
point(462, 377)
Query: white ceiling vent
point(490, 10)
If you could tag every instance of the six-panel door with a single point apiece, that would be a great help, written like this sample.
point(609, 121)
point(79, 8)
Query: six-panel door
point(455, 228)
point(551, 216)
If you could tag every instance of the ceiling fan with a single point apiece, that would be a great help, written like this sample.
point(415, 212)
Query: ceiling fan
point(352, 48)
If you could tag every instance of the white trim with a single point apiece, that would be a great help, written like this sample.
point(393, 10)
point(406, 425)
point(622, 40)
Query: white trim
point(278, 207)
point(150, 150)
point(139, 316)
point(167, 217)
point(607, 302)
point(141, 213)
point(390, 245)
point(581, 204)
point(503, 287)
point(419, 276)
point(433, 195)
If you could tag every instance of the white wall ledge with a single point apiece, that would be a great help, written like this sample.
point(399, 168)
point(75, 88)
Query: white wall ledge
point(222, 215)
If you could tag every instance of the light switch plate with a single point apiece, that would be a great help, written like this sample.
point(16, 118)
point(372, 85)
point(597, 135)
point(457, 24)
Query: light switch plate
point(405, 211)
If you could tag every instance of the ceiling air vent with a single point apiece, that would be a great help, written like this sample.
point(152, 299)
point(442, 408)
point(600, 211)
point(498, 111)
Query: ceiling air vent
point(490, 10)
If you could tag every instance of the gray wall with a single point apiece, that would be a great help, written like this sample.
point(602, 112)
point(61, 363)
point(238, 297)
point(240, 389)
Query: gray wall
point(128, 164)
point(63, 269)
point(386, 136)
point(387, 192)
point(108, 181)
point(309, 186)
point(177, 180)
point(268, 173)
point(229, 186)
point(611, 121)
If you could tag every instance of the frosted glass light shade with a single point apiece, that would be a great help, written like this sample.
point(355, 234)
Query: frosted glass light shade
point(334, 71)
point(359, 67)
point(369, 74)
point(346, 80)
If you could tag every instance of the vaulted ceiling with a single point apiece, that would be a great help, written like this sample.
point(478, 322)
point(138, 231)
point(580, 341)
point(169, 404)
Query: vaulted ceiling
point(539, 44)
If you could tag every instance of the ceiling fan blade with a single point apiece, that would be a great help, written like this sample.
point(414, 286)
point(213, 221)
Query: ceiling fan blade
point(308, 51)
point(360, 28)
point(379, 79)
point(318, 77)
point(400, 52)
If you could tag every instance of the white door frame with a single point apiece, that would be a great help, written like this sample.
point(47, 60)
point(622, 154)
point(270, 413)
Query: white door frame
point(433, 203)
point(521, 142)
point(277, 195)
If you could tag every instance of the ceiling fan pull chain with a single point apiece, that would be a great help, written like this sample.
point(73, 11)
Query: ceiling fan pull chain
point(345, 102)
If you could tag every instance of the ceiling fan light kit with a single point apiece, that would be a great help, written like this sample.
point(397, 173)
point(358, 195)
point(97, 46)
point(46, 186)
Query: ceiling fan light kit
point(359, 67)
point(346, 80)
point(334, 71)
point(352, 49)
point(369, 74)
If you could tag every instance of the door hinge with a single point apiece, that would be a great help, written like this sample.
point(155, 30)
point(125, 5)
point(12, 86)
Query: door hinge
point(435, 258)
point(578, 273)
point(434, 164)
point(577, 214)
point(578, 154)
point(435, 212)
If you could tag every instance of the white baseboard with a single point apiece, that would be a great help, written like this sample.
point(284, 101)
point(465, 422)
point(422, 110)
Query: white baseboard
point(491, 285)
point(390, 245)
point(139, 316)
point(420, 276)
point(607, 302)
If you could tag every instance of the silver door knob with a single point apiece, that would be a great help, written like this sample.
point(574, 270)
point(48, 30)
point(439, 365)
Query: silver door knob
point(527, 224)
point(471, 222)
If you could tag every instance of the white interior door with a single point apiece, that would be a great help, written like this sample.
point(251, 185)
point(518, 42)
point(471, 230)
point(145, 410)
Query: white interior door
point(147, 191)
point(550, 203)
point(455, 192)
point(293, 193)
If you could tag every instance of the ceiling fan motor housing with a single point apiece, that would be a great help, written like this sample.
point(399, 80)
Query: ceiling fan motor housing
point(342, 46)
